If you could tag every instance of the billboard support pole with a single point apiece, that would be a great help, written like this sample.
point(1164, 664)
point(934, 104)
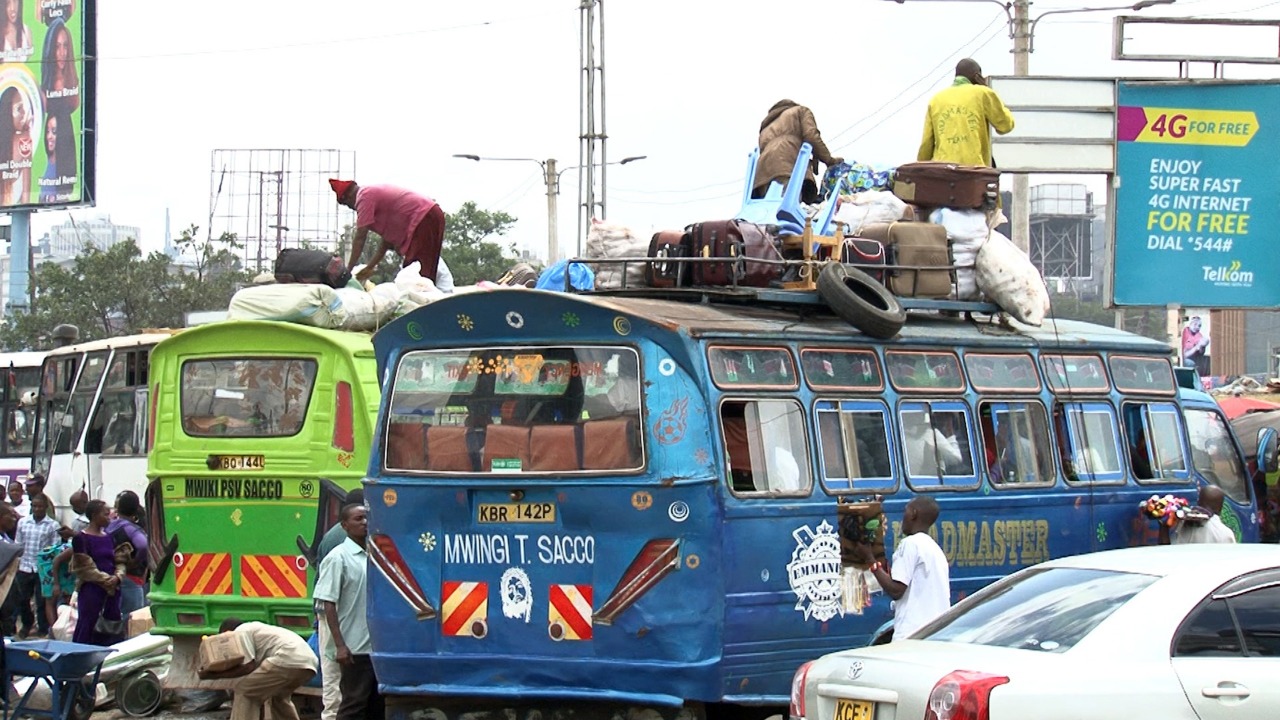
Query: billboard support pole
point(19, 255)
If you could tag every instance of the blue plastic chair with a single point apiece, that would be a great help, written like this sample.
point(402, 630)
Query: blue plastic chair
point(781, 205)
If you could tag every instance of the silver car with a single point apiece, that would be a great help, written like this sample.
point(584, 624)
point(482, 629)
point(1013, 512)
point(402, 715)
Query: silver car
point(1169, 632)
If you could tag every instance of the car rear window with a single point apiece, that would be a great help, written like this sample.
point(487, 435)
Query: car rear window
point(1044, 609)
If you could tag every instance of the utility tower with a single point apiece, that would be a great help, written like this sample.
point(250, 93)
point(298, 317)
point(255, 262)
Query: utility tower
point(591, 132)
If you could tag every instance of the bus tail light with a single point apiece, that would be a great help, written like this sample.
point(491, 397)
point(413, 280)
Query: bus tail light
point(963, 695)
point(654, 561)
point(796, 711)
point(190, 619)
point(344, 431)
point(387, 558)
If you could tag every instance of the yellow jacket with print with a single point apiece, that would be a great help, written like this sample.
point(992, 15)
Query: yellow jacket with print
point(958, 125)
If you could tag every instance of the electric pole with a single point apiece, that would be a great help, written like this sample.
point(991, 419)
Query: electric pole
point(1021, 205)
point(553, 189)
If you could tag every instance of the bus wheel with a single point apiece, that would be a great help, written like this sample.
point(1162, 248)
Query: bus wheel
point(861, 301)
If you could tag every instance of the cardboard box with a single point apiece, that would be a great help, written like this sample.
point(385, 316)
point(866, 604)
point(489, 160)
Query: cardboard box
point(140, 622)
point(223, 652)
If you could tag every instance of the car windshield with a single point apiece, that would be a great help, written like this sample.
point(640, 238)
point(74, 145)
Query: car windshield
point(1044, 609)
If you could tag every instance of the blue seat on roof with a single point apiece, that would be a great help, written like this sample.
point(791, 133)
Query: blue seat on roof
point(780, 205)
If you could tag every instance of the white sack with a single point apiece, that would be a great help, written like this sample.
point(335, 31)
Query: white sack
point(306, 304)
point(871, 206)
point(368, 310)
point(1007, 277)
point(610, 240)
point(966, 232)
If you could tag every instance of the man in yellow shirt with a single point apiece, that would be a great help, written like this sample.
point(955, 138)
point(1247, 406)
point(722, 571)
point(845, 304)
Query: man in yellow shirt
point(957, 128)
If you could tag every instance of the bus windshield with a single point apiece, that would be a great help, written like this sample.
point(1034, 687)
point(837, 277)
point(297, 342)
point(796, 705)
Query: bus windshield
point(68, 386)
point(561, 408)
point(1213, 453)
point(246, 397)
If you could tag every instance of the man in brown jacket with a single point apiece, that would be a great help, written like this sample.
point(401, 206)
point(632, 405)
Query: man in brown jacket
point(787, 126)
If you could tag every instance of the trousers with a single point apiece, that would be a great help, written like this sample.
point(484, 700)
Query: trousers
point(268, 685)
point(360, 697)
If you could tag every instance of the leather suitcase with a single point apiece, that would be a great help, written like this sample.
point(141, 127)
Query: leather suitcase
point(734, 239)
point(917, 248)
point(940, 184)
point(669, 244)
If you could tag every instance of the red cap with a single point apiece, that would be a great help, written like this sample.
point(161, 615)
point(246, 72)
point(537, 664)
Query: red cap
point(340, 187)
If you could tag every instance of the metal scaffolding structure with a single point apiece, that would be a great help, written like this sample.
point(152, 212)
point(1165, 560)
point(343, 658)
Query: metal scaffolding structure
point(1061, 222)
point(272, 199)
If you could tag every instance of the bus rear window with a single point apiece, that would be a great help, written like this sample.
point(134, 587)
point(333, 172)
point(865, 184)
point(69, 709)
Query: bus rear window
point(246, 397)
point(559, 409)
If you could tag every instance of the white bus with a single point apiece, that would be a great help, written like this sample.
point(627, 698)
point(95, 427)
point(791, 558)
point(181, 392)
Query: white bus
point(21, 380)
point(93, 417)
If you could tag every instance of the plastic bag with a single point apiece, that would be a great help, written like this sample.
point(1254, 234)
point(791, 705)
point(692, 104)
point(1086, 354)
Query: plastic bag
point(866, 208)
point(580, 277)
point(609, 240)
point(967, 232)
point(1007, 277)
point(65, 626)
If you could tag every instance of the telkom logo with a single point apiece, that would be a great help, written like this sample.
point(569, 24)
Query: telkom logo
point(1229, 275)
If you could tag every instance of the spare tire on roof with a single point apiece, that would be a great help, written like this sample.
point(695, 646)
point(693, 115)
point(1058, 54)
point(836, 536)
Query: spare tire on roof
point(861, 301)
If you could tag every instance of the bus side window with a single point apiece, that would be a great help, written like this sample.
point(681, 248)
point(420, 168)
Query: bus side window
point(1088, 438)
point(853, 439)
point(936, 442)
point(765, 446)
point(1015, 437)
point(1153, 433)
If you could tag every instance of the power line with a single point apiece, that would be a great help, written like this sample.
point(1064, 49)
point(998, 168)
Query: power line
point(329, 41)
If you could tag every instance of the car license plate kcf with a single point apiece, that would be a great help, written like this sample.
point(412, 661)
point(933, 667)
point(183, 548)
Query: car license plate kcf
point(853, 709)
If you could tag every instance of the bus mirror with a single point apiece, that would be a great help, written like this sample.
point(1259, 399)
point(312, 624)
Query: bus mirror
point(1268, 449)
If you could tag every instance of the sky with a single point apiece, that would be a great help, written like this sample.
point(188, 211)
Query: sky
point(406, 85)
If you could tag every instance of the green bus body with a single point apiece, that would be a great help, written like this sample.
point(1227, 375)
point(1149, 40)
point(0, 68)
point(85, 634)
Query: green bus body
point(260, 429)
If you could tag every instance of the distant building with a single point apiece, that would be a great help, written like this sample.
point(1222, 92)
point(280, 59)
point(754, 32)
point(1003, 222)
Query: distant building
point(72, 237)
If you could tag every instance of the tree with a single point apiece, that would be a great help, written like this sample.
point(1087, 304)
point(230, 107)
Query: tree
point(118, 291)
point(469, 247)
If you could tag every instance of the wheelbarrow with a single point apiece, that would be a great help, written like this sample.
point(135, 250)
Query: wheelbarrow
point(70, 670)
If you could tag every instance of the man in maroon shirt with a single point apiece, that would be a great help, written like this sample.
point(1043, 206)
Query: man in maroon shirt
point(409, 223)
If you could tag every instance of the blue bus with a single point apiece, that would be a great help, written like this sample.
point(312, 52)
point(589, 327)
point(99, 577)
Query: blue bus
point(610, 503)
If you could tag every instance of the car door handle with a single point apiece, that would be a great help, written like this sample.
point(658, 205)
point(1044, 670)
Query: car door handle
point(1232, 691)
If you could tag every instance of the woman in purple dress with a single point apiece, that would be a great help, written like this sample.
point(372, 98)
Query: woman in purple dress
point(99, 593)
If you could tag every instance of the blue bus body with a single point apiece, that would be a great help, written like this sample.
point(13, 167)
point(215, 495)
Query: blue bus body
point(676, 576)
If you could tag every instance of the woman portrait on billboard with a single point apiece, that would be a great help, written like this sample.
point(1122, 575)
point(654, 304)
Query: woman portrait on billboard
point(60, 82)
point(15, 37)
point(16, 147)
point(60, 150)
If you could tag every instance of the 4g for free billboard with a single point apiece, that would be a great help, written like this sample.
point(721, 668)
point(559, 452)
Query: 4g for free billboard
point(46, 102)
point(1198, 205)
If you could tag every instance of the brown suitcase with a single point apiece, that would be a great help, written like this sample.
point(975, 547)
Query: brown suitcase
point(940, 184)
point(912, 246)
point(660, 272)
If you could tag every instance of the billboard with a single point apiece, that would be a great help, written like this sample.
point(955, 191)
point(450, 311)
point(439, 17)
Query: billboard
point(1198, 202)
point(46, 102)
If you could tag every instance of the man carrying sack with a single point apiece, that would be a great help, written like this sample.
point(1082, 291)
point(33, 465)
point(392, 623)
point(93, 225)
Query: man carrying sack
point(278, 662)
point(410, 223)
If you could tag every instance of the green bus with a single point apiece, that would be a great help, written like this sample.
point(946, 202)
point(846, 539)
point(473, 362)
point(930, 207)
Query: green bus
point(259, 429)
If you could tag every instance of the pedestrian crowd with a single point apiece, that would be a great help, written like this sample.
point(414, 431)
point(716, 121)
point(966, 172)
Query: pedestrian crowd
point(95, 565)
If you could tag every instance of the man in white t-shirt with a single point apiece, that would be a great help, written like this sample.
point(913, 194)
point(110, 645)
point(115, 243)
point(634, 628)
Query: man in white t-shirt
point(920, 580)
point(1212, 530)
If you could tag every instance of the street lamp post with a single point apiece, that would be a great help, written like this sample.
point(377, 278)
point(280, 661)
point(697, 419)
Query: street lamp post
point(550, 176)
point(1022, 29)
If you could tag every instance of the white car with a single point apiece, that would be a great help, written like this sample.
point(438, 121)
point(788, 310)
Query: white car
point(1168, 632)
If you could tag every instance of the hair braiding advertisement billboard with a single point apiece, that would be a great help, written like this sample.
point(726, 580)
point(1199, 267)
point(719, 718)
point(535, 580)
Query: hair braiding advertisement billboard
point(46, 102)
